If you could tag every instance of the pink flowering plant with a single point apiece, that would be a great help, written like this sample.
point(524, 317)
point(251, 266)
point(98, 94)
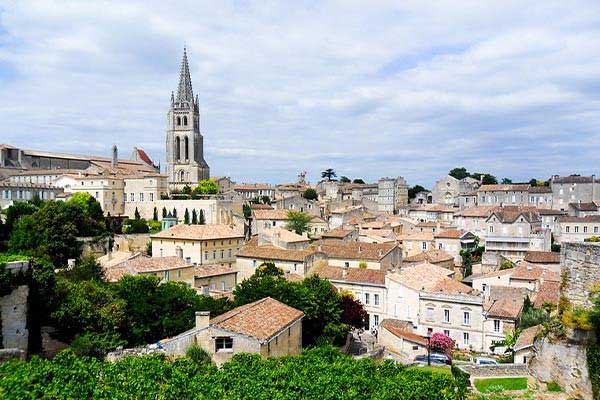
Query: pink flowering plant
point(441, 343)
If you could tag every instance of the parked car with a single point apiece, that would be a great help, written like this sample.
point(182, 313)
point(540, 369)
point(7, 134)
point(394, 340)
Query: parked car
point(436, 359)
point(485, 361)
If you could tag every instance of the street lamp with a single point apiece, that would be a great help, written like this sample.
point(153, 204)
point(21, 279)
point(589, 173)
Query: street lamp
point(428, 337)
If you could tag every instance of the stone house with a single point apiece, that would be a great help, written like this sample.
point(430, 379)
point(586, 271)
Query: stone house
point(250, 191)
point(284, 239)
point(573, 189)
point(540, 196)
point(293, 262)
point(580, 209)
point(340, 216)
point(424, 197)
point(434, 256)
point(170, 268)
point(503, 195)
point(367, 286)
point(264, 219)
point(448, 189)
point(546, 259)
point(297, 203)
point(399, 339)
point(502, 312)
point(11, 192)
point(416, 243)
point(550, 219)
point(198, 244)
point(392, 193)
point(432, 213)
point(473, 219)
point(524, 346)
point(452, 241)
point(384, 256)
point(266, 327)
point(577, 229)
point(215, 279)
point(345, 235)
point(512, 231)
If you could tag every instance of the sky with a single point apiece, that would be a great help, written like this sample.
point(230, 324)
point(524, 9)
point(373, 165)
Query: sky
point(370, 89)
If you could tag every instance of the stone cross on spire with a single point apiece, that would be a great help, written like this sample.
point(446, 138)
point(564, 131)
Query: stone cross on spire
point(184, 90)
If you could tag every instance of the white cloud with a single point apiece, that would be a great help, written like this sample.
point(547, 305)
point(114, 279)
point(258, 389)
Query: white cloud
point(406, 88)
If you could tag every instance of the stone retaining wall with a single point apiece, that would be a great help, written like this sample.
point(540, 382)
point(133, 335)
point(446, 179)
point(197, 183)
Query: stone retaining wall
point(480, 371)
point(580, 264)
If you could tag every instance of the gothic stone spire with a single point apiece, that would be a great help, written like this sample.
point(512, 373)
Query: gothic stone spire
point(184, 91)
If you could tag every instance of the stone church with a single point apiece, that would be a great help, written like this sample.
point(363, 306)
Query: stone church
point(185, 144)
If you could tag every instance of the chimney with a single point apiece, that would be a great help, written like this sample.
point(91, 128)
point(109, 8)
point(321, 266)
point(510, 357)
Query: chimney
point(202, 319)
point(115, 160)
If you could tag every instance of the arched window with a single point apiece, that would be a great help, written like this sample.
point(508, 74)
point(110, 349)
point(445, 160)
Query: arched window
point(184, 120)
point(178, 121)
point(186, 147)
point(181, 176)
point(177, 149)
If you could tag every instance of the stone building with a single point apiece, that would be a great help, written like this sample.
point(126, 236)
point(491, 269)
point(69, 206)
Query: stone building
point(580, 263)
point(392, 193)
point(266, 327)
point(185, 143)
point(577, 229)
point(448, 190)
point(573, 189)
point(15, 191)
point(198, 244)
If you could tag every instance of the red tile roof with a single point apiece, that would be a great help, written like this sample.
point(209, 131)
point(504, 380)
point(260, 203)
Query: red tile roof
point(262, 319)
point(355, 275)
point(543, 257)
point(199, 232)
point(548, 292)
point(402, 329)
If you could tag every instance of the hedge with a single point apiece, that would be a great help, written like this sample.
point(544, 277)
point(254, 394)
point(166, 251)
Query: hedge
point(318, 373)
point(593, 360)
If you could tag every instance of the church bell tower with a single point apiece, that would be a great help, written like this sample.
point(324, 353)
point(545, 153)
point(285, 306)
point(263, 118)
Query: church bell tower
point(185, 144)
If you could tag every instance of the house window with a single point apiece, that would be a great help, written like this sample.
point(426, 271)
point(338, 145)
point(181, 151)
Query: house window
point(295, 267)
point(376, 299)
point(179, 271)
point(132, 197)
point(151, 196)
point(440, 246)
point(466, 338)
point(376, 320)
point(222, 254)
point(496, 325)
point(424, 245)
point(223, 344)
point(447, 332)
point(467, 318)
point(223, 286)
point(491, 229)
point(166, 275)
point(206, 255)
point(214, 254)
point(366, 298)
point(576, 229)
point(595, 229)
point(446, 315)
point(141, 196)
point(567, 229)
point(585, 229)
point(347, 264)
point(273, 223)
point(429, 314)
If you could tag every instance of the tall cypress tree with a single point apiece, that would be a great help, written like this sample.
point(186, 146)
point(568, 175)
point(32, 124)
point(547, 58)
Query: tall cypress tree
point(194, 217)
point(174, 212)
point(136, 214)
point(201, 219)
point(164, 212)
point(186, 217)
point(155, 215)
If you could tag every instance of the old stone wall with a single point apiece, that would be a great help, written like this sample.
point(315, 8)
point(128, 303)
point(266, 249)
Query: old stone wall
point(13, 309)
point(478, 371)
point(565, 364)
point(132, 242)
point(580, 264)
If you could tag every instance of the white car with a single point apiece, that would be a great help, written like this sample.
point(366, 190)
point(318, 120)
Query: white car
point(485, 361)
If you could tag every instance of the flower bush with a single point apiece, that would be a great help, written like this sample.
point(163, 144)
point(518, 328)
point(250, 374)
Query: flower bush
point(441, 343)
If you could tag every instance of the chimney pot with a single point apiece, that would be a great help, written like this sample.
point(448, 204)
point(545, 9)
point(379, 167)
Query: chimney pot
point(202, 319)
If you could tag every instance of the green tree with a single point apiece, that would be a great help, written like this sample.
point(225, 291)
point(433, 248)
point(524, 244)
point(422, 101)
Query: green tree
point(412, 192)
point(328, 174)
point(247, 210)
point(87, 204)
point(206, 186)
point(194, 217)
point(137, 214)
point(310, 194)
point(488, 179)
point(359, 181)
point(174, 212)
point(15, 212)
point(186, 190)
point(164, 212)
point(265, 200)
point(459, 173)
point(201, 218)
point(155, 215)
point(186, 217)
point(345, 179)
point(298, 221)
point(506, 181)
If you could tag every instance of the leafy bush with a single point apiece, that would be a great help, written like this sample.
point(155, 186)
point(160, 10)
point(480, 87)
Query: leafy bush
point(552, 386)
point(462, 381)
point(593, 360)
point(320, 373)
point(96, 344)
point(198, 355)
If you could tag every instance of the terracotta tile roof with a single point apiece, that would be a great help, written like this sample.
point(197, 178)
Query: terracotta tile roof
point(493, 274)
point(353, 275)
point(8, 184)
point(427, 224)
point(155, 264)
point(549, 211)
point(527, 337)
point(504, 188)
point(540, 189)
point(337, 233)
point(433, 208)
point(199, 232)
point(262, 319)
point(402, 329)
point(497, 292)
point(346, 209)
point(583, 220)
point(452, 286)
point(510, 214)
point(548, 292)
point(270, 252)
point(450, 234)
point(279, 214)
point(504, 307)
point(584, 206)
point(543, 257)
point(432, 256)
point(284, 235)
point(254, 206)
point(248, 187)
point(143, 156)
point(573, 179)
point(421, 277)
point(204, 271)
point(338, 249)
point(531, 272)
